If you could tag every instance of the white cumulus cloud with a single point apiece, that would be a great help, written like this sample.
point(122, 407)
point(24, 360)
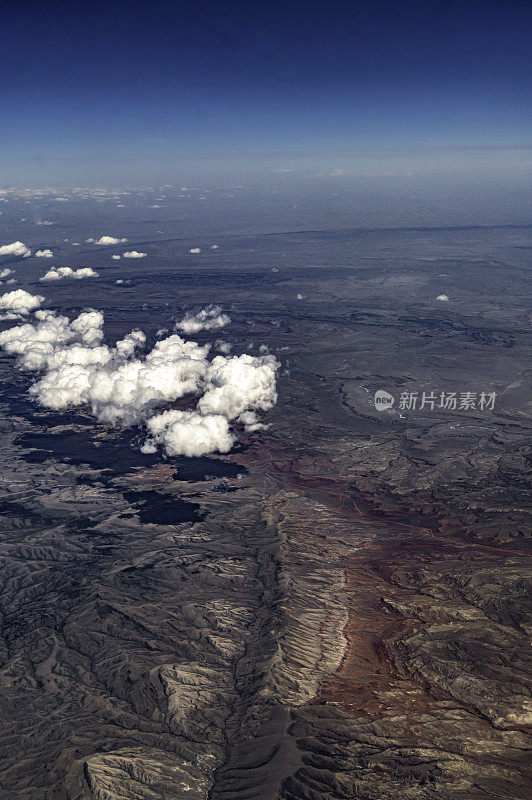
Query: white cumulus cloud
point(107, 240)
point(208, 319)
point(195, 250)
point(15, 249)
point(134, 254)
point(443, 298)
point(238, 384)
point(67, 272)
point(187, 433)
point(5, 273)
point(44, 254)
point(222, 347)
point(20, 302)
point(122, 386)
point(37, 345)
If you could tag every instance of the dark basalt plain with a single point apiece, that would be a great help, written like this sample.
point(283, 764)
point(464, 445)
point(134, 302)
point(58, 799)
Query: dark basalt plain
point(339, 608)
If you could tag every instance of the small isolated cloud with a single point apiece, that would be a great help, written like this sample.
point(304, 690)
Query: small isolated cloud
point(66, 272)
point(44, 254)
point(44, 222)
point(115, 258)
point(20, 302)
point(251, 422)
point(300, 297)
point(134, 254)
point(215, 246)
point(443, 298)
point(15, 249)
point(5, 273)
point(222, 347)
point(207, 319)
point(108, 240)
point(195, 250)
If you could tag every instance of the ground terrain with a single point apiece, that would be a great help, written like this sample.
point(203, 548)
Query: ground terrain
point(338, 608)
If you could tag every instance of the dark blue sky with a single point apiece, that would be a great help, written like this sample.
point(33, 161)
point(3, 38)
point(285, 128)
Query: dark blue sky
point(124, 90)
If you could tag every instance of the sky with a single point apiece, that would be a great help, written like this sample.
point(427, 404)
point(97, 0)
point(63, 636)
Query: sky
point(133, 92)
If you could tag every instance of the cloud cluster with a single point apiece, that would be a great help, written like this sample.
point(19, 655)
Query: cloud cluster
point(15, 249)
point(124, 388)
point(238, 384)
point(207, 319)
point(44, 254)
point(134, 254)
point(188, 433)
point(67, 272)
point(107, 240)
point(20, 302)
point(54, 340)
